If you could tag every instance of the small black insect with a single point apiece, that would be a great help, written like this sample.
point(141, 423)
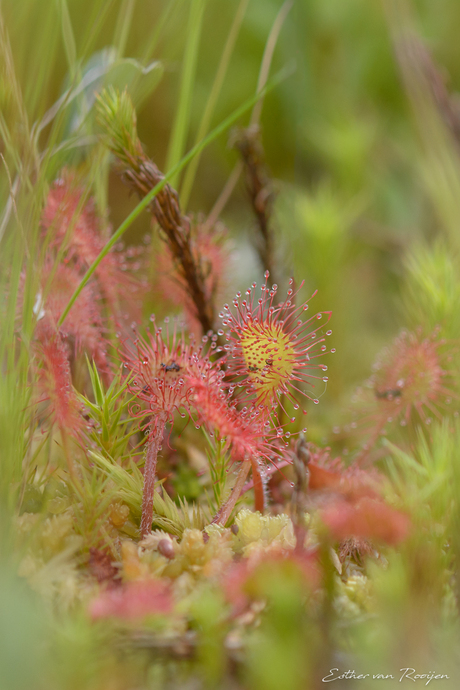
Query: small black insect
point(253, 369)
point(171, 367)
point(387, 395)
point(269, 362)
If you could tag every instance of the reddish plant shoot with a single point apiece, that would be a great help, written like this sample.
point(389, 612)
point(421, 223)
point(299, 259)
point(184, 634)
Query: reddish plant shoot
point(84, 326)
point(72, 226)
point(54, 379)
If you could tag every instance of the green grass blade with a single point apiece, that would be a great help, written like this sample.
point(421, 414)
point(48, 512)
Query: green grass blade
point(123, 25)
point(170, 9)
point(98, 16)
point(68, 38)
point(213, 97)
point(182, 119)
point(267, 57)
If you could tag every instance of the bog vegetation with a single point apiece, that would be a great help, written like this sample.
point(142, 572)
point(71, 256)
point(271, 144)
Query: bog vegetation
point(230, 344)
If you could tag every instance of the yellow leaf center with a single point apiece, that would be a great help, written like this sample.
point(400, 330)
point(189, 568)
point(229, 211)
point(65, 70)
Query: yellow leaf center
point(269, 356)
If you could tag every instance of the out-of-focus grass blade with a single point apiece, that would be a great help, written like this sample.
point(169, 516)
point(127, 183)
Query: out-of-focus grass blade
point(124, 20)
point(213, 97)
point(68, 37)
point(182, 119)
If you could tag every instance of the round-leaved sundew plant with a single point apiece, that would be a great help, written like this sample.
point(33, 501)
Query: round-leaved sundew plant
point(271, 350)
point(160, 371)
point(411, 376)
point(412, 382)
point(271, 353)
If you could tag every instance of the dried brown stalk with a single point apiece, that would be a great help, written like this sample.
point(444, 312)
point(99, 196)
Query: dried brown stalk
point(300, 461)
point(141, 176)
point(260, 189)
point(423, 78)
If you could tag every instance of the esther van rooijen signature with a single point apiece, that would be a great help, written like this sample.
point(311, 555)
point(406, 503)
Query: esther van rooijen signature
point(404, 674)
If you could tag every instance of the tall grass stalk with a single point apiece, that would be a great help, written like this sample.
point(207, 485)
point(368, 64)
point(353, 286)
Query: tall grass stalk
point(264, 72)
point(124, 20)
point(203, 129)
point(182, 119)
point(68, 39)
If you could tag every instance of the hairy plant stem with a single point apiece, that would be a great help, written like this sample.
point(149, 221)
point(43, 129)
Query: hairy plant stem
point(225, 510)
point(362, 458)
point(153, 447)
point(299, 501)
point(73, 474)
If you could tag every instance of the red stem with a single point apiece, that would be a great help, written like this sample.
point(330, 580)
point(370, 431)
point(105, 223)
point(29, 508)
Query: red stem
point(154, 446)
point(259, 496)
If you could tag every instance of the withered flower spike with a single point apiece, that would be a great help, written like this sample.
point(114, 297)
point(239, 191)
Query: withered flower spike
point(424, 79)
point(117, 116)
